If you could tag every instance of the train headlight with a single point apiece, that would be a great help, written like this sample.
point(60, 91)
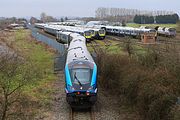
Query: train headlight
point(92, 89)
point(70, 88)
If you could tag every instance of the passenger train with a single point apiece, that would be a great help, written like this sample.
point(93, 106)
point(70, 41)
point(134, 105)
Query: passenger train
point(80, 72)
point(168, 32)
point(126, 31)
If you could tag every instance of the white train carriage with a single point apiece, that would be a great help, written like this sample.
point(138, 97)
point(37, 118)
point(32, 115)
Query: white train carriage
point(40, 25)
point(127, 31)
point(169, 32)
point(80, 74)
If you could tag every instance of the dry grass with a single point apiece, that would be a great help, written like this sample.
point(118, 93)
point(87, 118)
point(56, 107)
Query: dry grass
point(149, 82)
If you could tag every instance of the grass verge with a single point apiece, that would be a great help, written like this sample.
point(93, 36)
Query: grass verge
point(36, 95)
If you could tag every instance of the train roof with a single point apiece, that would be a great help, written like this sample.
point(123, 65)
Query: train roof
point(78, 50)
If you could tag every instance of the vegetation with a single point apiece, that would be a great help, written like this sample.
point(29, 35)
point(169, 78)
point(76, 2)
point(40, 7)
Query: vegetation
point(149, 81)
point(160, 19)
point(164, 19)
point(178, 27)
point(151, 25)
point(142, 19)
point(27, 82)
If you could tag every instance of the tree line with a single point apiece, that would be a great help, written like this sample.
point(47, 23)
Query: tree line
point(103, 12)
point(160, 19)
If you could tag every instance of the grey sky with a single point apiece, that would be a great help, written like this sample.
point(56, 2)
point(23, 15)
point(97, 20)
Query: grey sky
point(23, 8)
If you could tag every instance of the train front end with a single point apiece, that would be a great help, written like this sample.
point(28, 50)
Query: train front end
point(87, 35)
point(81, 86)
point(102, 34)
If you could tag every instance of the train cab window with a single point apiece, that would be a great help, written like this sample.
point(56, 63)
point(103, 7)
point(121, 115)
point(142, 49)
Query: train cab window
point(101, 31)
point(87, 33)
point(82, 74)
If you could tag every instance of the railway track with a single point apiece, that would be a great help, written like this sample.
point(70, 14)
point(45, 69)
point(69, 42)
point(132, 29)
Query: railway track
point(107, 42)
point(82, 115)
point(116, 38)
point(96, 46)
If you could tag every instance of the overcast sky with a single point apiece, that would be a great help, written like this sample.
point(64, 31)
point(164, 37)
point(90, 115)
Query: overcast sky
point(56, 8)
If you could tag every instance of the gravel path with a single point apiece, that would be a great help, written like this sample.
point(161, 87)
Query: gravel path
point(60, 110)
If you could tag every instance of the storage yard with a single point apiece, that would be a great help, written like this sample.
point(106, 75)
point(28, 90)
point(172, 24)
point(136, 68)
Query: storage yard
point(123, 41)
point(109, 64)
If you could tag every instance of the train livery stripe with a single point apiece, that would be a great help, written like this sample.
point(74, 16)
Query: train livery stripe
point(94, 75)
point(68, 78)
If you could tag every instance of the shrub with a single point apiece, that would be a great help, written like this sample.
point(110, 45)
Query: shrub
point(150, 82)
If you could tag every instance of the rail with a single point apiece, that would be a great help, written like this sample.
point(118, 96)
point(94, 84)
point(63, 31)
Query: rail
point(82, 115)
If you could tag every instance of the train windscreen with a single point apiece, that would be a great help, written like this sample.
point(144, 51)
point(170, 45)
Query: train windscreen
point(83, 75)
point(87, 33)
point(101, 31)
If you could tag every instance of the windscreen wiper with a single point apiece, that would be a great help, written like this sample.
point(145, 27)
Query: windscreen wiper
point(77, 79)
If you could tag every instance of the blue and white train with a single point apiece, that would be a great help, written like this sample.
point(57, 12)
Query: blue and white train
point(80, 72)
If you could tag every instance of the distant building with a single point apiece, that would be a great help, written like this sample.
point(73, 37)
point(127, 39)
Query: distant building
point(34, 20)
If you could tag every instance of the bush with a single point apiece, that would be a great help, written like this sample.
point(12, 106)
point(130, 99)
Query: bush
point(150, 82)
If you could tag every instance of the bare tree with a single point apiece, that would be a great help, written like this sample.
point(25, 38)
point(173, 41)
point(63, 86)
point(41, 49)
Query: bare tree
point(43, 16)
point(15, 72)
point(116, 14)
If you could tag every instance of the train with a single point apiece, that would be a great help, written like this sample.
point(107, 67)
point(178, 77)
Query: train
point(80, 72)
point(167, 32)
point(53, 29)
point(99, 34)
point(126, 31)
point(88, 33)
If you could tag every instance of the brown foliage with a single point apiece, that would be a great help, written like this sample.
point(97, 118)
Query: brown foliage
point(150, 82)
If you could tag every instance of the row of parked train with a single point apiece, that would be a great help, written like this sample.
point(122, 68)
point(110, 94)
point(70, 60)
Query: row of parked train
point(137, 32)
point(88, 33)
point(99, 32)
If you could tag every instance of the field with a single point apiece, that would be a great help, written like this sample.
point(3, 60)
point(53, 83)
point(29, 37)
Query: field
point(151, 25)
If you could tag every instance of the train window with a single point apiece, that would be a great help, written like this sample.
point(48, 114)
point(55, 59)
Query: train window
point(172, 30)
point(101, 31)
point(82, 74)
point(87, 33)
point(152, 30)
point(64, 37)
point(115, 30)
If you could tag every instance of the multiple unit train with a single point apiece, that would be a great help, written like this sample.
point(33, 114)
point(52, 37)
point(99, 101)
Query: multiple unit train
point(127, 31)
point(80, 73)
point(89, 34)
point(168, 32)
point(135, 32)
